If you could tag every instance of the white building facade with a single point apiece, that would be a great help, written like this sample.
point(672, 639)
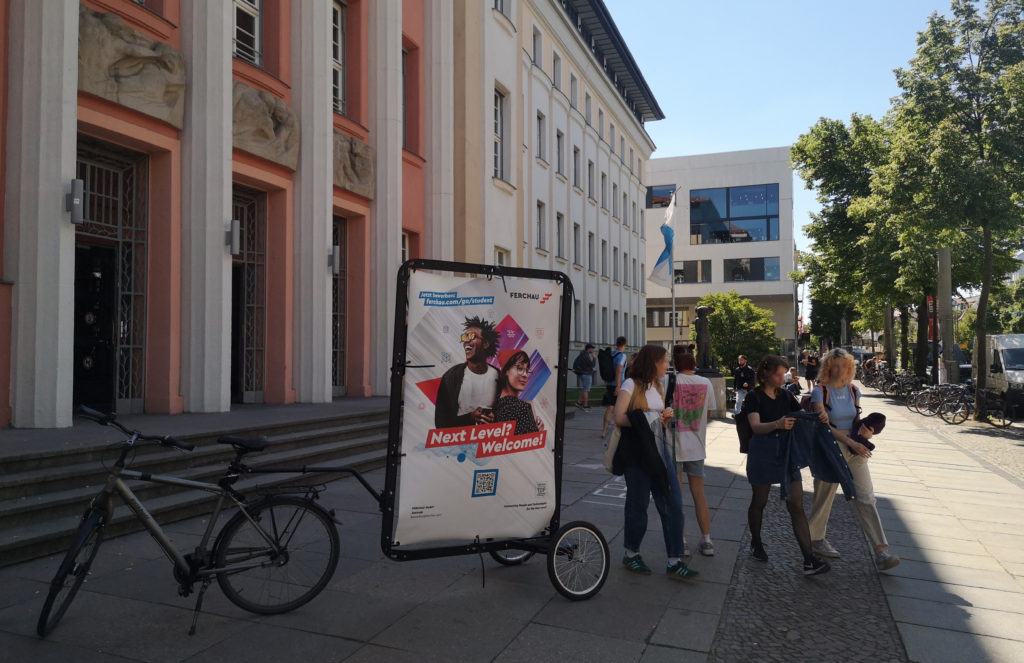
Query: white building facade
point(733, 225)
point(562, 149)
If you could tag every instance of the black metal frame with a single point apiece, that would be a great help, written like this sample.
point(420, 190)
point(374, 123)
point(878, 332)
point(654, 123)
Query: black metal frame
point(537, 544)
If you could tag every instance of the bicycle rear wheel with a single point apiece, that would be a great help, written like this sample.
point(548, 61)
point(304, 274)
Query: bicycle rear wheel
point(578, 561)
point(308, 545)
point(72, 571)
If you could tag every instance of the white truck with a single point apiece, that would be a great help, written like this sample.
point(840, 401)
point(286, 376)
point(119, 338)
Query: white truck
point(1005, 366)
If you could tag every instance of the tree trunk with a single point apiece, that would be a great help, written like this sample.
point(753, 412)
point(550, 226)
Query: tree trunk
point(980, 358)
point(921, 352)
point(905, 337)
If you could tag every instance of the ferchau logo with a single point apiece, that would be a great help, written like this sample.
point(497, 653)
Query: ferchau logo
point(530, 295)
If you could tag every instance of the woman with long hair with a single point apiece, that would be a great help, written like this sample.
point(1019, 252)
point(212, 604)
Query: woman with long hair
point(837, 395)
point(767, 411)
point(644, 459)
point(515, 373)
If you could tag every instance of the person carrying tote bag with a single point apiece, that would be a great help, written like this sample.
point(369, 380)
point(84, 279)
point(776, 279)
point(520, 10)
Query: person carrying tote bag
point(643, 456)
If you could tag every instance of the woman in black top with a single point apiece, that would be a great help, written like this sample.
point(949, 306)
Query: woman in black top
point(515, 371)
point(811, 369)
point(767, 410)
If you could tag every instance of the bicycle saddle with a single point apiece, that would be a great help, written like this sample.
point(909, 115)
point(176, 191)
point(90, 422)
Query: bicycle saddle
point(241, 443)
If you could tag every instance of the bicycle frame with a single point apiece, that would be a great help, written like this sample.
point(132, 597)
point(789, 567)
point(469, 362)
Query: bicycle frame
point(116, 484)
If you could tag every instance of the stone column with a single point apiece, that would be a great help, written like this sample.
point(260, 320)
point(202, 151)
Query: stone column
point(439, 124)
point(385, 124)
point(206, 207)
point(39, 240)
point(311, 98)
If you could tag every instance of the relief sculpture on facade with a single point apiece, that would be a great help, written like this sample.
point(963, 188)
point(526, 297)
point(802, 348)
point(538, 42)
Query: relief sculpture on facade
point(122, 65)
point(354, 165)
point(264, 125)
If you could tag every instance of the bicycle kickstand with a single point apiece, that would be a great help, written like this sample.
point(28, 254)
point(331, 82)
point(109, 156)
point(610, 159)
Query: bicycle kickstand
point(199, 605)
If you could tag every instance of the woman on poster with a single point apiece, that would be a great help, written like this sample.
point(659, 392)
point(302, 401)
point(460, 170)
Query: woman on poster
point(512, 379)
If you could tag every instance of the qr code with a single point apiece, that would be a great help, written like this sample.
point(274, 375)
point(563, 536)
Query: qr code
point(485, 482)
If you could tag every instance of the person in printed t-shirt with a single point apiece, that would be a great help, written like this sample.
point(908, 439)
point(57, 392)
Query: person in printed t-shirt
point(467, 392)
point(691, 399)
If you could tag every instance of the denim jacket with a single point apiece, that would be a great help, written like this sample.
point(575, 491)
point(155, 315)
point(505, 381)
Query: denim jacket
point(809, 443)
point(826, 460)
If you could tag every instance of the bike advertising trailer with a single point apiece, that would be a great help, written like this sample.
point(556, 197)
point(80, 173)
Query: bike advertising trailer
point(474, 463)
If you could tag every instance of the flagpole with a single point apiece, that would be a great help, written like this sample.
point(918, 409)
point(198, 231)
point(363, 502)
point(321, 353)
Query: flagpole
point(672, 284)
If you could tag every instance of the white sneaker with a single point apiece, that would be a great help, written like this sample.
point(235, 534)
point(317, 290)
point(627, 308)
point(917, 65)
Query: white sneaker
point(824, 549)
point(706, 548)
point(884, 561)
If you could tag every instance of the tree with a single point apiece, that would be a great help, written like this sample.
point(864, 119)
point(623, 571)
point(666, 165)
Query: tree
point(737, 327)
point(955, 174)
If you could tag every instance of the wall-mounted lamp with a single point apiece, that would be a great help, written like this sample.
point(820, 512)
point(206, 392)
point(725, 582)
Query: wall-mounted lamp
point(233, 237)
point(334, 260)
point(75, 202)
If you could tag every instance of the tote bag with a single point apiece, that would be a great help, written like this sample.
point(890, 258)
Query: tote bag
point(613, 442)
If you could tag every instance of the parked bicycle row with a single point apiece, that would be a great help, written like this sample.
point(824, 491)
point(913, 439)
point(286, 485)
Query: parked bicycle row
point(953, 403)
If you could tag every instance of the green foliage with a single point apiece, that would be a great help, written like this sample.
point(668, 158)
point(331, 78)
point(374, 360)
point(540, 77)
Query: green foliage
point(737, 327)
point(1005, 313)
point(945, 167)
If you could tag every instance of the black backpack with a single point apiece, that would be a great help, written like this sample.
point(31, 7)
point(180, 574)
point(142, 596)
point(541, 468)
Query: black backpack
point(606, 364)
point(577, 366)
point(743, 429)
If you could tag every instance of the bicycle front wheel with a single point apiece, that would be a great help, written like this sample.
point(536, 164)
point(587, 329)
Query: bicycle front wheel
point(511, 557)
point(1000, 413)
point(307, 550)
point(72, 571)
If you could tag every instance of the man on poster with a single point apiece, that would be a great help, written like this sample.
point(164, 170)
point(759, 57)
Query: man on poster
point(467, 392)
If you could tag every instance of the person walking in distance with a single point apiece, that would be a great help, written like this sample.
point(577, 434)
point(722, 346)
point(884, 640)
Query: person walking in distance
point(811, 369)
point(613, 381)
point(691, 399)
point(584, 368)
point(766, 410)
point(644, 457)
point(742, 381)
point(837, 395)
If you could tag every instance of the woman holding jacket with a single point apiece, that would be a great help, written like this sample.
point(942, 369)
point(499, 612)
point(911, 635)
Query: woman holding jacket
point(836, 394)
point(641, 457)
point(767, 410)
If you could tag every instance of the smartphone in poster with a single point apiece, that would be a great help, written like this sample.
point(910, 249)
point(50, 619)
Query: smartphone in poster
point(480, 408)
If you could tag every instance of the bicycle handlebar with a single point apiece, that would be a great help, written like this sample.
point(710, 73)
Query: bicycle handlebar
point(110, 420)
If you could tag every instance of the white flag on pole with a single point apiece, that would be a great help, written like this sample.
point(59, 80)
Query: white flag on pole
point(662, 272)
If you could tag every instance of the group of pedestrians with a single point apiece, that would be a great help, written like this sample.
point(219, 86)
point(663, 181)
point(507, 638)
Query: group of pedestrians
point(662, 421)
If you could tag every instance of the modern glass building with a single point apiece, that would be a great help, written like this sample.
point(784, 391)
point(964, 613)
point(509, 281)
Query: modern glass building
point(736, 235)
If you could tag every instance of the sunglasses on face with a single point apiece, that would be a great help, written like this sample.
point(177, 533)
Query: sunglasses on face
point(469, 336)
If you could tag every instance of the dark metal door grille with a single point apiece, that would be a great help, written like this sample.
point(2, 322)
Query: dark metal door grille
point(250, 208)
point(339, 299)
point(116, 204)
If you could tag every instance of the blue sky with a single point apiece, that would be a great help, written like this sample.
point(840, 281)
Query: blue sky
point(744, 74)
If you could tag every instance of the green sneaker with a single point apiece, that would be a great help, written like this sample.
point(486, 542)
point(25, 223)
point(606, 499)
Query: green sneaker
point(680, 571)
point(636, 565)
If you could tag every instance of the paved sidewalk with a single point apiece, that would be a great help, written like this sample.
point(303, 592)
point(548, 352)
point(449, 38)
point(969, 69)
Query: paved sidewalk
point(957, 523)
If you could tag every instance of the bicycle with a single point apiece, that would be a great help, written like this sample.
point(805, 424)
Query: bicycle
point(272, 556)
point(962, 407)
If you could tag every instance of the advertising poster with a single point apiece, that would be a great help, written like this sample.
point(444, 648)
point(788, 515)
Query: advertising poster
point(480, 408)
